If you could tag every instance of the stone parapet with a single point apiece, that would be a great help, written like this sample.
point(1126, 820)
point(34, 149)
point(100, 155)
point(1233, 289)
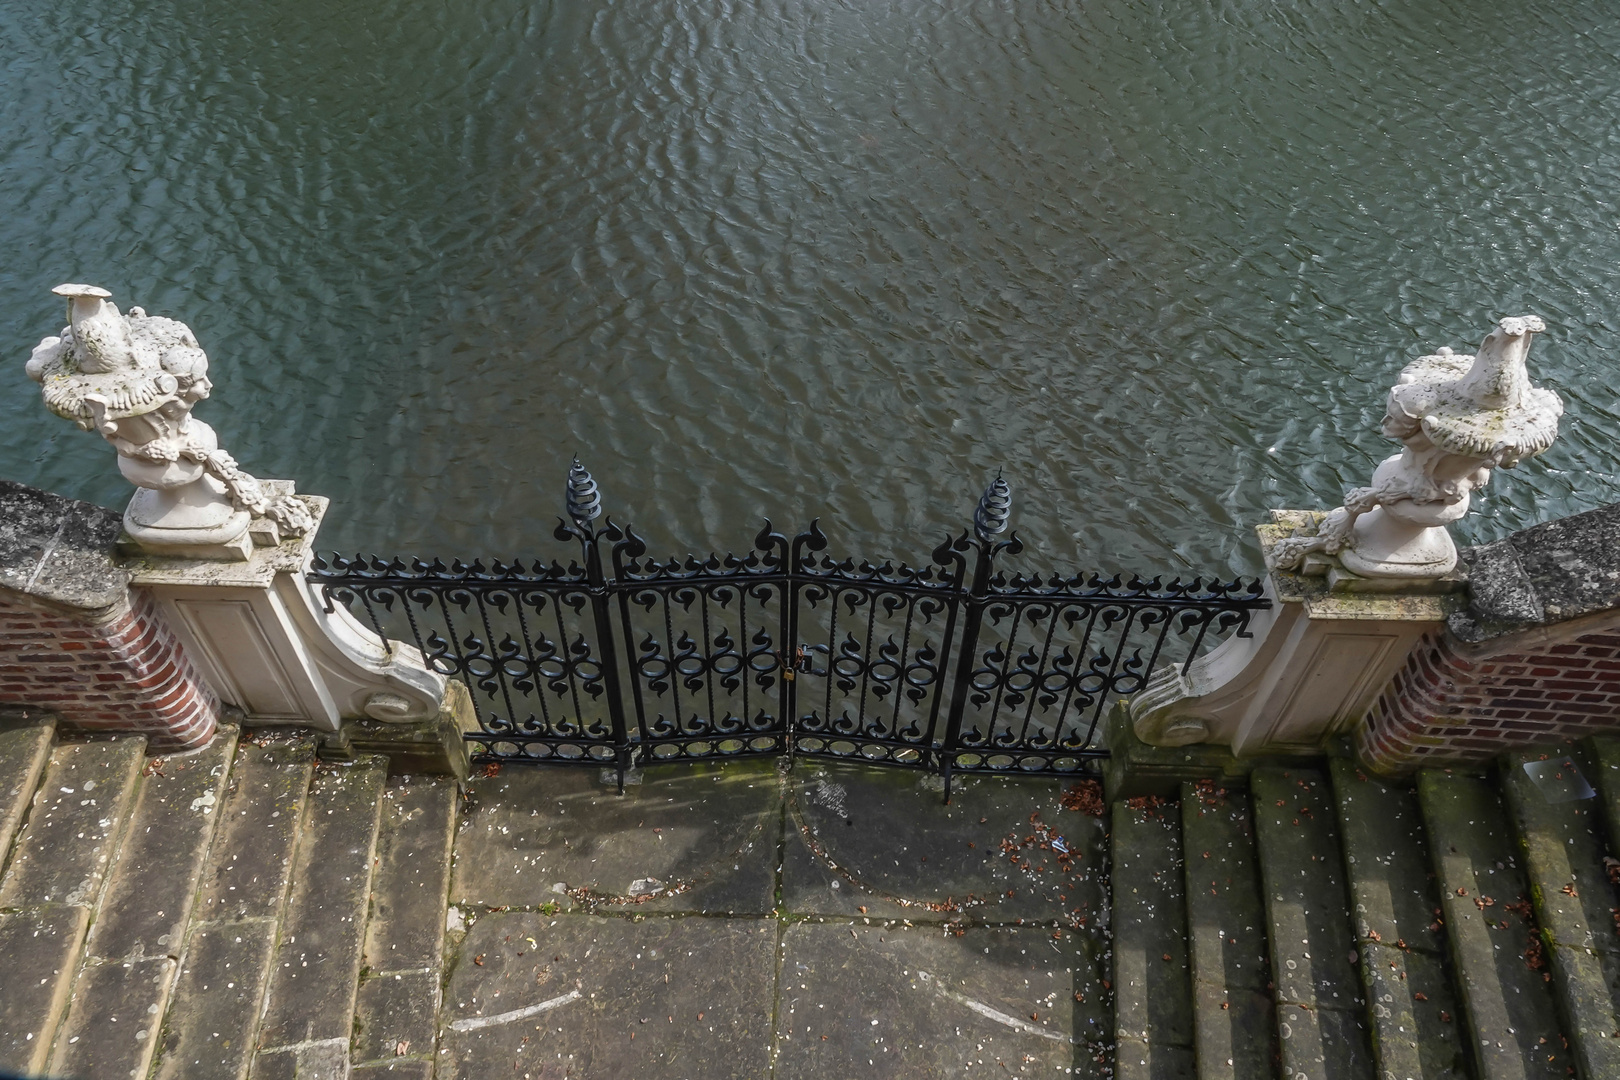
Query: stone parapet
point(76, 642)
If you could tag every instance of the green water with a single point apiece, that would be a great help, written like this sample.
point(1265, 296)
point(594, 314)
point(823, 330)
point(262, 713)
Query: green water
point(1156, 261)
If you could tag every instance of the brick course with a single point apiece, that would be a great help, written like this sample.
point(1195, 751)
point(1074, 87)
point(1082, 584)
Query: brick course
point(112, 671)
point(1455, 702)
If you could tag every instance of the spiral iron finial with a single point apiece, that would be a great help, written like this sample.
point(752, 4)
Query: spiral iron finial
point(995, 507)
point(583, 499)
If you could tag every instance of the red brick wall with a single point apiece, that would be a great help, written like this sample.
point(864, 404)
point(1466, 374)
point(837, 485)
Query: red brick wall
point(1456, 702)
point(120, 672)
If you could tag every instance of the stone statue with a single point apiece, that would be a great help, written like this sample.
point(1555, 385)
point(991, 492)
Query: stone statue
point(134, 380)
point(1458, 418)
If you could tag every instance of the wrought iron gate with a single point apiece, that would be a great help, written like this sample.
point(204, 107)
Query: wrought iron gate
point(618, 659)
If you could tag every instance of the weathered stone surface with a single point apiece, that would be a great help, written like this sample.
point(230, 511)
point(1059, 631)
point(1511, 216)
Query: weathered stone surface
point(322, 1059)
point(1564, 847)
point(580, 995)
point(1234, 1023)
point(1323, 1044)
point(1508, 1008)
point(24, 750)
point(213, 1012)
point(1394, 902)
point(900, 1003)
point(686, 838)
point(59, 550)
point(74, 825)
point(248, 866)
point(41, 950)
point(113, 1025)
point(317, 964)
point(154, 880)
point(1545, 574)
point(1235, 1032)
point(396, 1014)
point(863, 840)
point(1152, 984)
point(1137, 1060)
point(412, 877)
point(397, 1069)
point(1417, 1029)
point(1321, 1024)
point(1604, 754)
point(1387, 859)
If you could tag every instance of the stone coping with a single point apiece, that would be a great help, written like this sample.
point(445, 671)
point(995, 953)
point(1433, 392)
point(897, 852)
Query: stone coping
point(60, 550)
point(1549, 573)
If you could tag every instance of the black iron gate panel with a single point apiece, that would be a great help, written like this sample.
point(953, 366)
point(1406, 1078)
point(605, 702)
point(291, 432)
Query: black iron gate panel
point(618, 659)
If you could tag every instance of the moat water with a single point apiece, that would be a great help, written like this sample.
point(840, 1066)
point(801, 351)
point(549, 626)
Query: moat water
point(1157, 262)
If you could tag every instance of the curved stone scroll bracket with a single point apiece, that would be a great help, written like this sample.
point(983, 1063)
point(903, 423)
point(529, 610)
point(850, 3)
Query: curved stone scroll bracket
point(1314, 664)
point(263, 639)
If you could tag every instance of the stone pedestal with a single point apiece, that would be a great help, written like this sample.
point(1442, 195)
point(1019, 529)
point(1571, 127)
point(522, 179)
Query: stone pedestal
point(269, 647)
point(1312, 667)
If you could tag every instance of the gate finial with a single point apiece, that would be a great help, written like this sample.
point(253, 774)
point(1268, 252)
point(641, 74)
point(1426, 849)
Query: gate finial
point(583, 499)
point(995, 507)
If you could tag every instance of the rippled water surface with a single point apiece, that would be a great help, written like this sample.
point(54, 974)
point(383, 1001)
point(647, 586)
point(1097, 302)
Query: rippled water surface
point(1157, 261)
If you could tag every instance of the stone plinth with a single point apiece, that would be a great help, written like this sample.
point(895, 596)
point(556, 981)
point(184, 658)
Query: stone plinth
point(76, 641)
point(1311, 668)
point(268, 645)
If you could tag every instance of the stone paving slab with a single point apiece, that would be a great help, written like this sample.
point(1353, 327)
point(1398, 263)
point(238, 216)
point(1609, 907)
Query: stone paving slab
point(41, 951)
point(251, 860)
point(402, 1069)
point(154, 880)
point(1322, 1029)
point(213, 1012)
point(1153, 1003)
point(683, 838)
point(24, 750)
point(882, 840)
point(113, 1027)
point(74, 824)
point(406, 926)
point(577, 995)
point(924, 1001)
point(1137, 1060)
point(317, 967)
point(1506, 1002)
point(1564, 846)
point(396, 1014)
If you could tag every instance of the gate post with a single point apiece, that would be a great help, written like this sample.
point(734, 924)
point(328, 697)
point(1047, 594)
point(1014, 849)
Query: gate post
point(989, 521)
point(584, 504)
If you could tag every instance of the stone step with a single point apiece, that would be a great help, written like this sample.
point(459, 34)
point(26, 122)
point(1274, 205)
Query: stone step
point(135, 940)
point(53, 884)
point(1153, 1006)
point(1511, 1020)
point(1234, 1023)
point(309, 1006)
point(1416, 1020)
point(24, 749)
point(1564, 845)
point(1605, 757)
point(213, 1017)
point(1321, 1018)
point(397, 1006)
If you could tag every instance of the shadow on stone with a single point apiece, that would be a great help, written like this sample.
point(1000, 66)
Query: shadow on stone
point(866, 840)
point(699, 837)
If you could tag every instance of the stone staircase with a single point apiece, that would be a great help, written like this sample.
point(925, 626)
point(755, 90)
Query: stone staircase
point(1327, 925)
point(243, 911)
